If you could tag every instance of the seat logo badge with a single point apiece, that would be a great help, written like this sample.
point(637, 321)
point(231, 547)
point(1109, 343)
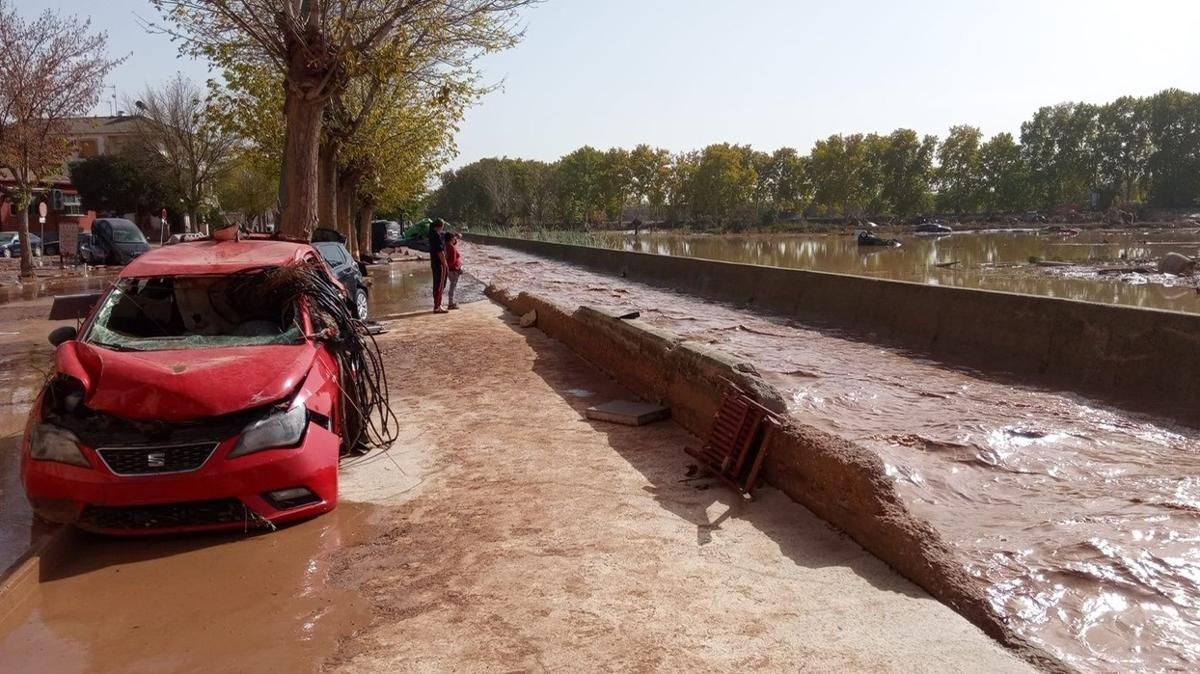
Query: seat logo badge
point(156, 460)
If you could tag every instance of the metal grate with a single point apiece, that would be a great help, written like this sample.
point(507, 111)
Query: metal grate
point(738, 440)
point(156, 460)
point(165, 515)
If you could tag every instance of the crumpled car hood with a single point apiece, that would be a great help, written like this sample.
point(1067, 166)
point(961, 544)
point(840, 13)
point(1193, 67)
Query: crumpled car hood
point(184, 384)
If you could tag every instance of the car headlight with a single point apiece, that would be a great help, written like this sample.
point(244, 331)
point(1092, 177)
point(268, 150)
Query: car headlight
point(282, 429)
point(51, 443)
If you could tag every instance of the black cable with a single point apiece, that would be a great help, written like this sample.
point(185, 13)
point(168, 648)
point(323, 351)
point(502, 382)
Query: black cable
point(367, 418)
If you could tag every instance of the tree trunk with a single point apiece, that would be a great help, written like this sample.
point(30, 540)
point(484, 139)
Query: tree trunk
point(367, 214)
point(327, 196)
point(298, 217)
point(26, 245)
point(347, 188)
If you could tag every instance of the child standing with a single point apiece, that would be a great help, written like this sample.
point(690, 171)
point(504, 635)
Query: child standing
point(454, 266)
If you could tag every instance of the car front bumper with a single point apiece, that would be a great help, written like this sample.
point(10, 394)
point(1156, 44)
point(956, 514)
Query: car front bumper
point(221, 494)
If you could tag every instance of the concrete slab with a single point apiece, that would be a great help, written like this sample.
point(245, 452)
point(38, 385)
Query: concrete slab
point(628, 412)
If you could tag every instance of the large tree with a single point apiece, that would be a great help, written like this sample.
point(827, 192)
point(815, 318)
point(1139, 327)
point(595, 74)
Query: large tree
point(580, 180)
point(179, 140)
point(1003, 173)
point(649, 171)
point(1122, 148)
point(117, 184)
point(960, 185)
point(1058, 144)
point(1174, 163)
point(724, 182)
point(840, 169)
point(907, 171)
point(318, 47)
point(51, 68)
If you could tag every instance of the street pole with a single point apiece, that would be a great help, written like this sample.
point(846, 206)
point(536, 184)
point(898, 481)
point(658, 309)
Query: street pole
point(42, 210)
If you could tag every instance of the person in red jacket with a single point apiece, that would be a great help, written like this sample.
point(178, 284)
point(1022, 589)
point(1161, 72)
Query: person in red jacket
point(454, 266)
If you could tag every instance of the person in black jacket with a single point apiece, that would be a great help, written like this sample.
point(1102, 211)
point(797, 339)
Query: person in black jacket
point(437, 259)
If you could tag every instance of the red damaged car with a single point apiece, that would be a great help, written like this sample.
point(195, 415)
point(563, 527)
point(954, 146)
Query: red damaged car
point(198, 393)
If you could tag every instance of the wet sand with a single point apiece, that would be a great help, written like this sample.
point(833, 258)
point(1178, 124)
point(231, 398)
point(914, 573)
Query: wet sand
point(541, 541)
point(1078, 519)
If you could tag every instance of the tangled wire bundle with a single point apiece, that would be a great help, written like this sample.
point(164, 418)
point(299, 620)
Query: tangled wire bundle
point(367, 417)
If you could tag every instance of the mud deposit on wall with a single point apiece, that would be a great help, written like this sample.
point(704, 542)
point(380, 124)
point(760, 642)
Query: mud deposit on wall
point(1079, 520)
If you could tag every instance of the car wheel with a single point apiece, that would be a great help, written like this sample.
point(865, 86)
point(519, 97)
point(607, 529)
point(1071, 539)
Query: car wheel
point(37, 252)
point(360, 304)
point(7, 253)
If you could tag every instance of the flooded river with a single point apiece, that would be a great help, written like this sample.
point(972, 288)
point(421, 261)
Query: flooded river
point(1080, 521)
point(996, 260)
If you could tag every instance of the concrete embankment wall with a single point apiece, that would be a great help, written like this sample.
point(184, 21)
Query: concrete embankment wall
point(839, 481)
point(1141, 358)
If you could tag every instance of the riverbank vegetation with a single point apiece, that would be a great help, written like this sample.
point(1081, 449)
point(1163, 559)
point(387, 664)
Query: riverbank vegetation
point(1132, 152)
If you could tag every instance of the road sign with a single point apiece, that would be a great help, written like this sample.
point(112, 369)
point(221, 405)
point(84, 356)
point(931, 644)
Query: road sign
point(42, 210)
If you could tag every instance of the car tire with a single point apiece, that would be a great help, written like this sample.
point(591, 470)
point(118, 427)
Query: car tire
point(7, 253)
point(361, 308)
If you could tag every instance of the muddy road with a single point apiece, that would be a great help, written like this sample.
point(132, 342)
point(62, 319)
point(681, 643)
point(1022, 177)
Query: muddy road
point(1080, 521)
point(502, 532)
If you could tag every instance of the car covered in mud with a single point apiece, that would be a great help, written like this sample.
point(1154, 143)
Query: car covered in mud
point(198, 393)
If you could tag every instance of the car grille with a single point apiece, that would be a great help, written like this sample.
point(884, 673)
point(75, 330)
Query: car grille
point(153, 460)
point(166, 515)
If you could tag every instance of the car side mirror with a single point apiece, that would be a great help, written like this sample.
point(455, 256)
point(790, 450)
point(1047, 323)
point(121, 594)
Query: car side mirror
point(63, 334)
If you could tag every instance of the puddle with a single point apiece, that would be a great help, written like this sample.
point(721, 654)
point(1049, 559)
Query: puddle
point(212, 603)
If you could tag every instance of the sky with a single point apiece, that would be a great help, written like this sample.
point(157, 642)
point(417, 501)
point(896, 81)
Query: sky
point(682, 74)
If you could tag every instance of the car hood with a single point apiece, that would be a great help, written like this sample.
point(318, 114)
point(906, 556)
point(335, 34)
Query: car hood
point(184, 384)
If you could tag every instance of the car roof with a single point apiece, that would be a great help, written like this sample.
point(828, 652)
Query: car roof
point(216, 257)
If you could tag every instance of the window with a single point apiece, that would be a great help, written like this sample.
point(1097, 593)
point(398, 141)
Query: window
point(72, 204)
point(188, 312)
point(88, 148)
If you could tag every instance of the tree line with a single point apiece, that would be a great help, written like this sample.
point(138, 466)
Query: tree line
point(1132, 151)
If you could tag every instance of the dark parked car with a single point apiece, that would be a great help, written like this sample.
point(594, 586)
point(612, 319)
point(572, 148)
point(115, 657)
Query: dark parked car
point(10, 244)
point(933, 228)
point(386, 234)
point(113, 241)
point(351, 273)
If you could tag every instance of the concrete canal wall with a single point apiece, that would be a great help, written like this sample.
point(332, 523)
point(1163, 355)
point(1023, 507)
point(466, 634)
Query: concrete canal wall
point(839, 481)
point(1143, 358)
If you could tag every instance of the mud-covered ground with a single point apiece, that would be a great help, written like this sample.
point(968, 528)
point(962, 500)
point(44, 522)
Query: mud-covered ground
point(502, 532)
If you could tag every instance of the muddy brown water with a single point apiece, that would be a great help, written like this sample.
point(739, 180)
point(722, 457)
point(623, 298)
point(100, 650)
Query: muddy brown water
point(1081, 522)
point(994, 260)
point(214, 603)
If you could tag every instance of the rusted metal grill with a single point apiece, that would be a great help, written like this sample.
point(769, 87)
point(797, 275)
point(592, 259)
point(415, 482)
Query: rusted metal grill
point(738, 440)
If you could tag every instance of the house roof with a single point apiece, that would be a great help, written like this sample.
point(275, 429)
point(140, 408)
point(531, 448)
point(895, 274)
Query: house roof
point(85, 126)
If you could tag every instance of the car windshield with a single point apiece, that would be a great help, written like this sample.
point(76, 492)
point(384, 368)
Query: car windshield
point(191, 312)
point(7, 237)
point(127, 233)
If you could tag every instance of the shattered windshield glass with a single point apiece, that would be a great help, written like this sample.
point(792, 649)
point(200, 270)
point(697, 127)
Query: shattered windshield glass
point(189, 312)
